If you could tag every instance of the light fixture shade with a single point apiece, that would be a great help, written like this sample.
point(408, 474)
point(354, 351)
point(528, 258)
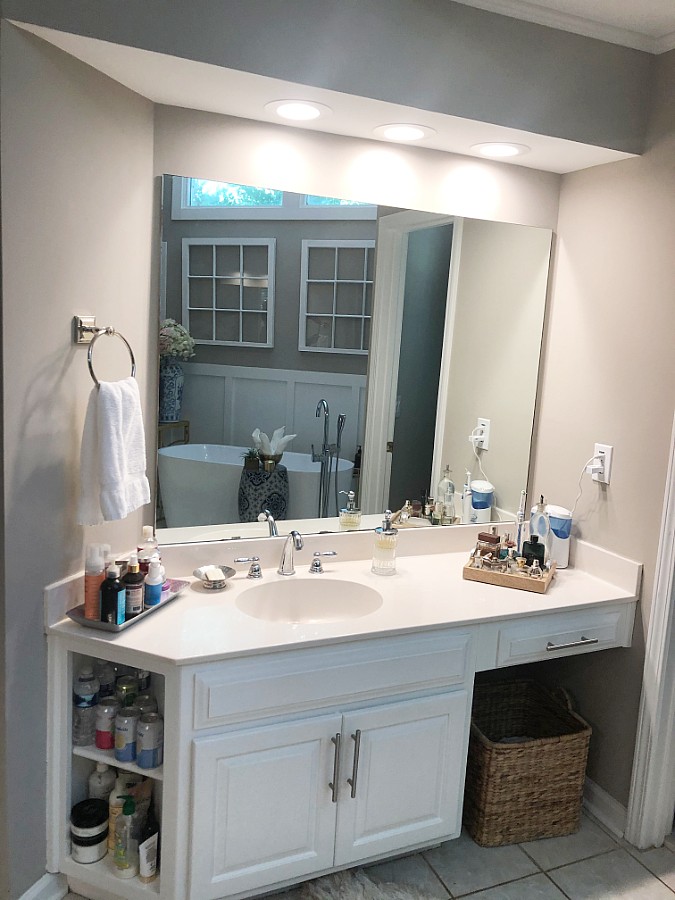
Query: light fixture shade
point(404, 132)
point(298, 110)
point(500, 149)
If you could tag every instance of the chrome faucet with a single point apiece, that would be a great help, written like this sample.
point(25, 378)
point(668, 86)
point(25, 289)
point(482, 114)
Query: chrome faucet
point(293, 541)
point(266, 516)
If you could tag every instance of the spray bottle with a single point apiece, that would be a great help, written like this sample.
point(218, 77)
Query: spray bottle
point(125, 856)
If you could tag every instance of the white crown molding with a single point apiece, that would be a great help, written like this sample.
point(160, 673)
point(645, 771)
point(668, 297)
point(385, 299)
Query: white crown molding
point(539, 15)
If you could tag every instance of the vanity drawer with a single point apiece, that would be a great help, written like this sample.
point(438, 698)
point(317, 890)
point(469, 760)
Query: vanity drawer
point(564, 634)
point(278, 683)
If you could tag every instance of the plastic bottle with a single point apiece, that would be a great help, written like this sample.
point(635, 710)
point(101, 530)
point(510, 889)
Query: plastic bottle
point(446, 495)
point(147, 548)
point(105, 672)
point(153, 584)
point(133, 586)
point(384, 551)
point(148, 848)
point(94, 575)
point(539, 521)
point(113, 598)
point(101, 782)
point(85, 698)
point(125, 854)
point(125, 780)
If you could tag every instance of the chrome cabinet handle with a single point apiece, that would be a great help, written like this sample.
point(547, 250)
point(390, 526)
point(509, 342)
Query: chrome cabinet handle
point(356, 737)
point(333, 785)
point(584, 642)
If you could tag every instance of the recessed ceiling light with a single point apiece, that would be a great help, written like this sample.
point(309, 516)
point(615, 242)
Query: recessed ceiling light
point(298, 110)
point(497, 150)
point(404, 132)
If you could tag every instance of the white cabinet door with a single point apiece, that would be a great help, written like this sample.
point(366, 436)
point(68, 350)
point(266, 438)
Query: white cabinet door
point(409, 779)
point(262, 807)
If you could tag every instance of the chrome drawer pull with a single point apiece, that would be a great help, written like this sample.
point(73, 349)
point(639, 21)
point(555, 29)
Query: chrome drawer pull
point(333, 785)
point(584, 642)
point(356, 737)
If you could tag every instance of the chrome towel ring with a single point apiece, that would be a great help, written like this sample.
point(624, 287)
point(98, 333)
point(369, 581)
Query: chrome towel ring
point(111, 331)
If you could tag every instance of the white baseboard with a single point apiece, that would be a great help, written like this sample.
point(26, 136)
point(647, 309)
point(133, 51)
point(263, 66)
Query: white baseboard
point(605, 808)
point(49, 887)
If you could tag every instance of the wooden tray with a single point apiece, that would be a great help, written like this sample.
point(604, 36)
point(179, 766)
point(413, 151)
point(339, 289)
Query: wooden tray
point(506, 579)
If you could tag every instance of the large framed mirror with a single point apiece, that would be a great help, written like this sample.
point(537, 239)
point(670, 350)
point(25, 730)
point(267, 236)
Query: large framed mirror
point(377, 336)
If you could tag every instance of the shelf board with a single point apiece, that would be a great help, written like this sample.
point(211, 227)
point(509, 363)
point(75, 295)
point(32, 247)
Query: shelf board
point(102, 875)
point(108, 757)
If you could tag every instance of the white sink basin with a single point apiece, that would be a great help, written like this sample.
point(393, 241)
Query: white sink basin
point(309, 600)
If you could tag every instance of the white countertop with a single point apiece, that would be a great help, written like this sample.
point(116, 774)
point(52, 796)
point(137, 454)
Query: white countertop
point(427, 592)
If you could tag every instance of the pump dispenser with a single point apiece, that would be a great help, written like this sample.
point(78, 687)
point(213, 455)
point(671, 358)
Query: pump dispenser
point(350, 516)
point(384, 552)
point(539, 522)
point(153, 584)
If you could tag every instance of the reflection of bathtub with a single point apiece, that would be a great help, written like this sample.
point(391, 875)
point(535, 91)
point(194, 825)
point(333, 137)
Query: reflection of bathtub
point(199, 483)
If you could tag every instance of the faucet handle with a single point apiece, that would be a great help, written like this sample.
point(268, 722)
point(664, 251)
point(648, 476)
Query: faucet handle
point(255, 571)
point(316, 568)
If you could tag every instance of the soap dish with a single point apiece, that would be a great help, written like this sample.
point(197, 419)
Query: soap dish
point(213, 578)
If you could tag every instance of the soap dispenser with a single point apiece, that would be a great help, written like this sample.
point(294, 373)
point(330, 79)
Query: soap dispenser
point(350, 516)
point(384, 551)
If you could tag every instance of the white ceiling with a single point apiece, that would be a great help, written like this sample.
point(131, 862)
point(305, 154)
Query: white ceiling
point(642, 24)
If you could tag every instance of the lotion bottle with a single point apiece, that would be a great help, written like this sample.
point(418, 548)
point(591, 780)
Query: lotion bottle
point(384, 551)
point(153, 584)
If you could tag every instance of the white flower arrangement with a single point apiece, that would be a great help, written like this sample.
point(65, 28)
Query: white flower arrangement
point(175, 341)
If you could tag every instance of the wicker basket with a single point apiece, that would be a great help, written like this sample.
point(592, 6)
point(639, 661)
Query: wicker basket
point(526, 764)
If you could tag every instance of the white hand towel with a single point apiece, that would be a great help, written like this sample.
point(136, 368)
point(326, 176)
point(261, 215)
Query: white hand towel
point(113, 482)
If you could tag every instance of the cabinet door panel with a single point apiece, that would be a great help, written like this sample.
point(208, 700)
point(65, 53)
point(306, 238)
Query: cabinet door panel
point(262, 806)
point(410, 775)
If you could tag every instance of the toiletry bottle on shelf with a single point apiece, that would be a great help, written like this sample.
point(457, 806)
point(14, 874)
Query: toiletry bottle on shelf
point(125, 856)
point(147, 548)
point(148, 848)
point(467, 509)
point(153, 584)
point(384, 552)
point(133, 586)
point(350, 516)
point(85, 698)
point(446, 495)
point(113, 598)
point(101, 782)
point(94, 574)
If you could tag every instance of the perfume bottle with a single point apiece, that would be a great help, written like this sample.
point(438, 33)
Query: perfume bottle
point(384, 551)
point(350, 516)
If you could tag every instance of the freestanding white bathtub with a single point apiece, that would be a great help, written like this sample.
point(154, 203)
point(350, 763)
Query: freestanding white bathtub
point(199, 484)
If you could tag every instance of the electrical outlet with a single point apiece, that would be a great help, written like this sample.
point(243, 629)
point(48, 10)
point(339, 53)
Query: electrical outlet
point(603, 452)
point(483, 437)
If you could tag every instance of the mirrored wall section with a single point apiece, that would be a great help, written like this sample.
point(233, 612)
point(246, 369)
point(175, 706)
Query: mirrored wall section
point(362, 342)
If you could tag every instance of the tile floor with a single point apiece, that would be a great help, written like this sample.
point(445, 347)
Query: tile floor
point(588, 865)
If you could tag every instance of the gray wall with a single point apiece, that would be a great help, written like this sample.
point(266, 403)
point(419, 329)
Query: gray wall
point(434, 55)
point(289, 235)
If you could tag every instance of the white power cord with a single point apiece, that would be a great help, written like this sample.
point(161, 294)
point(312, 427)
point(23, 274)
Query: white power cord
point(474, 438)
point(589, 468)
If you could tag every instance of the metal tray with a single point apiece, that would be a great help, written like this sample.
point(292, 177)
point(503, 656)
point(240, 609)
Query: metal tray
point(77, 612)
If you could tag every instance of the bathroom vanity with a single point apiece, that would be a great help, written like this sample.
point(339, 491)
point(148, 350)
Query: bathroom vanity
point(302, 736)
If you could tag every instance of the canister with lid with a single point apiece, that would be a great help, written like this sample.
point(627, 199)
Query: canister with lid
point(89, 830)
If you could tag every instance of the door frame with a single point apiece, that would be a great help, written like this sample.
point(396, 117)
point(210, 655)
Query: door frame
point(383, 357)
point(652, 793)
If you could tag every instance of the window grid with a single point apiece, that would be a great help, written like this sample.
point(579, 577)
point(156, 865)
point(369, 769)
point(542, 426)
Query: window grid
point(210, 312)
point(331, 318)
